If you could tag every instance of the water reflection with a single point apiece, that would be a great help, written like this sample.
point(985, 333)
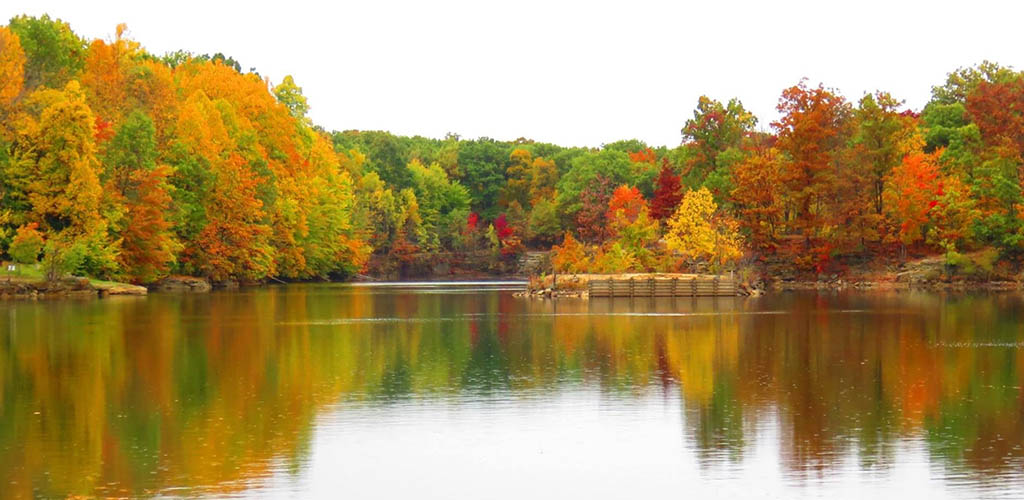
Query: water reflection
point(224, 393)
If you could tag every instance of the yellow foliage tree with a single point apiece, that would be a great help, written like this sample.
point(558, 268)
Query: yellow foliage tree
point(695, 233)
point(54, 175)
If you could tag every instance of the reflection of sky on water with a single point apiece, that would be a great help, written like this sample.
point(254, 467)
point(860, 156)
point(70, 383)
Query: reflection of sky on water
point(581, 443)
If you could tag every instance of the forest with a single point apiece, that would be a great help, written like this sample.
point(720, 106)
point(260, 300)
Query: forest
point(120, 164)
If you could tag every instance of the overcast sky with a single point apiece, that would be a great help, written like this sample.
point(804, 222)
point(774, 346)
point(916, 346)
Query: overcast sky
point(574, 73)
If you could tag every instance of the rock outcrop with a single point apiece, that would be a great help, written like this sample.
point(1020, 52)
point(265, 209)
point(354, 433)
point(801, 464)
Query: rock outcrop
point(181, 284)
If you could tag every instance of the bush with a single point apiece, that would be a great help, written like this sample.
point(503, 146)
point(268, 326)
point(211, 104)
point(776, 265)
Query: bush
point(26, 245)
point(61, 259)
point(978, 265)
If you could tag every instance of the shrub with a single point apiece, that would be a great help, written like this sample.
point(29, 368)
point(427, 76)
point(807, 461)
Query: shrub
point(27, 244)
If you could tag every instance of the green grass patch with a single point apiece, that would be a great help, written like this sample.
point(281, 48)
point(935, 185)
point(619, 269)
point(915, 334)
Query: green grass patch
point(34, 273)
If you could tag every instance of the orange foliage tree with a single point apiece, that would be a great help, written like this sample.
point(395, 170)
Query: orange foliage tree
point(914, 189)
point(814, 127)
point(758, 198)
point(12, 67)
point(626, 203)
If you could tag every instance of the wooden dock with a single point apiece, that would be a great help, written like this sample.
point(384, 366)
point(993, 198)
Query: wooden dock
point(697, 286)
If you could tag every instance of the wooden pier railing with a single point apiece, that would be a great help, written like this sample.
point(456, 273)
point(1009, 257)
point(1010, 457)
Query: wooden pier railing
point(698, 286)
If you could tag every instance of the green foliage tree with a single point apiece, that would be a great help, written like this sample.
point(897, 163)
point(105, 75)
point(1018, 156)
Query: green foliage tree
point(443, 204)
point(482, 163)
point(714, 139)
point(290, 95)
point(612, 165)
point(55, 53)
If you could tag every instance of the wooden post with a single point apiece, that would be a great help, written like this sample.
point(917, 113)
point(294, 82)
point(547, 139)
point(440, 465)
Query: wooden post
point(631, 285)
point(675, 283)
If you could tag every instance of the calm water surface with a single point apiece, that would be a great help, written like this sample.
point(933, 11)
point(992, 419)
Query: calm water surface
point(468, 392)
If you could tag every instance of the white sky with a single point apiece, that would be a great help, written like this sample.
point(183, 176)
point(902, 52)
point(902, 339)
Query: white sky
point(573, 73)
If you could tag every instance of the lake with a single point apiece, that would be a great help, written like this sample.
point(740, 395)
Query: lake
point(465, 391)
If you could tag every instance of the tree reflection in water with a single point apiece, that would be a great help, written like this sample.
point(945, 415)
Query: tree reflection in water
point(210, 394)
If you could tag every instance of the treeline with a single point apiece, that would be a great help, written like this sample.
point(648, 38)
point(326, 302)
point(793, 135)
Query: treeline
point(118, 163)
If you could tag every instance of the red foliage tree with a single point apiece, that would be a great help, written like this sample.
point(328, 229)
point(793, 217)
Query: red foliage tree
point(668, 193)
point(104, 130)
point(998, 109)
point(590, 220)
point(502, 228)
point(510, 242)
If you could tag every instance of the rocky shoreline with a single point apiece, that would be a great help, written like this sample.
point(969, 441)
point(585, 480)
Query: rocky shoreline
point(834, 284)
point(885, 285)
point(182, 284)
point(84, 288)
point(67, 288)
point(569, 286)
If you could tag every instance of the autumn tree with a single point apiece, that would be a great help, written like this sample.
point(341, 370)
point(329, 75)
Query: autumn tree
point(55, 54)
point(139, 188)
point(714, 138)
point(626, 203)
point(668, 193)
point(634, 235)
point(593, 174)
point(883, 136)
point(518, 178)
point(570, 256)
point(913, 190)
point(955, 216)
point(995, 109)
point(12, 67)
point(107, 76)
point(331, 244)
point(814, 127)
point(963, 81)
point(590, 216)
point(695, 233)
point(443, 204)
point(54, 176)
point(998, 110)
point(758, 198)
point(27, 244)
point(222, 214)
point(290, 95)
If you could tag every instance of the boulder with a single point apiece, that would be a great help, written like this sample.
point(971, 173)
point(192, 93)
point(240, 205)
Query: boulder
point(181, 284)
point(107, 289)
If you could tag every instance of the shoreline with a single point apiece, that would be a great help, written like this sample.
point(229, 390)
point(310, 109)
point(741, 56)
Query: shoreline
point(762, 287)
point(537, 287)
point(67, 288)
